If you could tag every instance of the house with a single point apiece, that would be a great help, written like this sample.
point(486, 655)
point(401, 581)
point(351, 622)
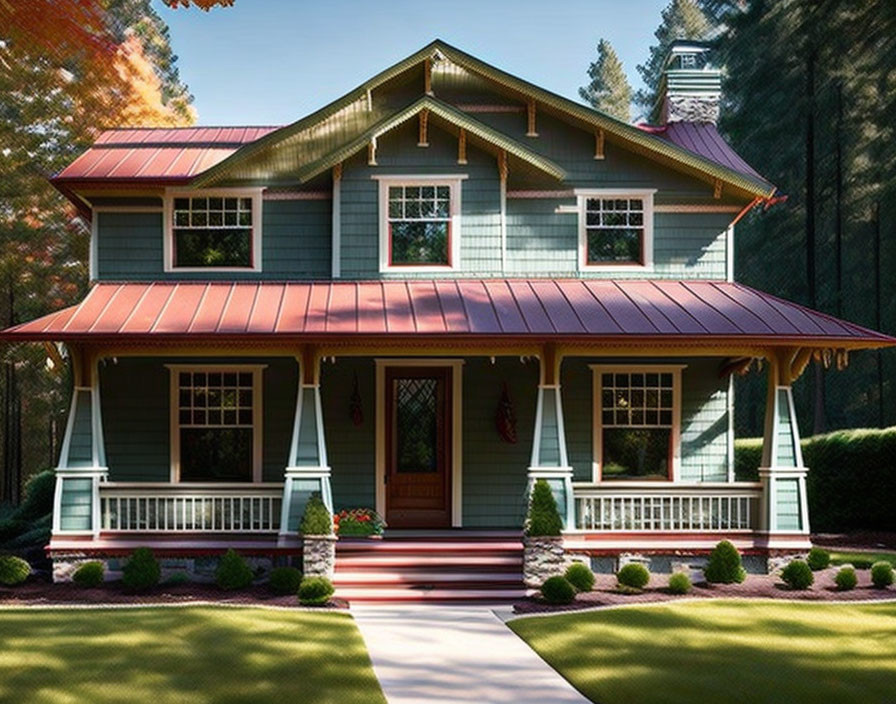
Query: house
point(421, 298)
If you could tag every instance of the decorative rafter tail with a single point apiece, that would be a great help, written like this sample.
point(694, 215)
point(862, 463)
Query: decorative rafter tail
point(717, 189)
point(423, 138)
point(337, 172)
point(462, 146)
point(599, 144)
point(530, 113)
point(371, 152)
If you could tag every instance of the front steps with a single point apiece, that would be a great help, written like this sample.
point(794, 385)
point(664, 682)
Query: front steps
point(430, 567)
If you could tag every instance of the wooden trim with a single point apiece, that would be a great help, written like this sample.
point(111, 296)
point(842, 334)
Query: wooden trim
point(295, 195)
point(371, 152)
point(336, 223)
point(599, 144)
point(427, 76)
point(644, 194)
point(694, 208)
point(462, 146)
point(422, 137)
point(541, 194)
point(530, 118)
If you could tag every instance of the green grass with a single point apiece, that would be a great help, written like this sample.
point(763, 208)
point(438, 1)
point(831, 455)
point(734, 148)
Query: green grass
point(861, 560)
point(195, 654)
point(724, 651)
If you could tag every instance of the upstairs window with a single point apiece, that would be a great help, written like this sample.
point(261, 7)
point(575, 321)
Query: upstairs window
point(214, 231)
point(616, 229)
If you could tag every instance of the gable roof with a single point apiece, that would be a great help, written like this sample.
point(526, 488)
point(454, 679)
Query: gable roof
point(703, 138)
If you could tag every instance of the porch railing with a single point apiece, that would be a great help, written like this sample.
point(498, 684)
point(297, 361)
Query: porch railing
point(185, 508)
point(691, 508)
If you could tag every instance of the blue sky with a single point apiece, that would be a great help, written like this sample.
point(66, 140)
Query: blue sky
point(269, 62)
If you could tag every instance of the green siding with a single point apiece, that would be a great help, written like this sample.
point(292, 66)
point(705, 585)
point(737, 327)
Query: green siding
point(80, 451)
point(786, 452)
point(302, 490)
point(129, 246)
point(307, 454)
point(788, 504)
point(549, 445)
point(76, 504)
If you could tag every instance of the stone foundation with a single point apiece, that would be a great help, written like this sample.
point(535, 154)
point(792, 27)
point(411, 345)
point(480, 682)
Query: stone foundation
point(776, 563)
point(196, 569)
point(319, 555)
point(543, 557)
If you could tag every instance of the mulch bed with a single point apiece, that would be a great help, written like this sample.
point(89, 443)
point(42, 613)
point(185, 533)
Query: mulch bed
point(38, 592)
point(756, 586)
point(863, 540)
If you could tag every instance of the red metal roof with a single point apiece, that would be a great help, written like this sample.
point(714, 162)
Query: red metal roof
point(158, 154)
point(693, 311)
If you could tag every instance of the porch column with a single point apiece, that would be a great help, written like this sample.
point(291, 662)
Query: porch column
point(549, 459)
point(307, 471)
point(82, 459)
point(784, 509)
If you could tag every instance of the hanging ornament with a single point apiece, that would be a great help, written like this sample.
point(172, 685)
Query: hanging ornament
point(354, 406)
point(505, 418)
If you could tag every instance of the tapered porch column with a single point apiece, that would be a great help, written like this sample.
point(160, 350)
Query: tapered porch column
point(784, 513)
point(82, 459)
point(307, 472)
point(549, 459)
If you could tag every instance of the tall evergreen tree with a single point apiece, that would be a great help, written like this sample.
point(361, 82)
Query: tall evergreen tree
point(682, 19)
point(609, 89)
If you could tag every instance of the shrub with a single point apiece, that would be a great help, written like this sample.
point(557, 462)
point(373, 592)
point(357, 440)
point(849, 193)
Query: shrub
point(818, 559)
point(315, 591)
point(175, 579)
point(90, 574)
point(724, 565)
point(141, 571)
point(317, 519)
point(882, 574)
point(634, 575)
point(679, 583)
point(38, 500)
point(846, 579)
point(285, 580)
point(798, 575)
point(13, 570)
point(233, 572)
point(544, 518)
point(579, 575)
point(558, 590)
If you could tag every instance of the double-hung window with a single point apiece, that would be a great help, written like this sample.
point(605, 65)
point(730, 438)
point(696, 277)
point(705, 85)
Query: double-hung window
point(637, 422)
point(419, 223)
point(216, 230)
point(615, 229)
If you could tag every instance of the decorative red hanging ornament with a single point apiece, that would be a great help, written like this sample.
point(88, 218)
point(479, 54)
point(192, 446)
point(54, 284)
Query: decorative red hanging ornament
point(354, 406)
point(505, 418)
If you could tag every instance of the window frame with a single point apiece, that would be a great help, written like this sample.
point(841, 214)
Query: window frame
point(644, 194)
point(598, 427)
point(453, 182)
point(257, 417)
point(168, 244)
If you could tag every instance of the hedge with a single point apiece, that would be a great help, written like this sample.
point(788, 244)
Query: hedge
point(851, 479)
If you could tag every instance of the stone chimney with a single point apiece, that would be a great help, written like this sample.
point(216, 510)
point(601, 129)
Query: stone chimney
point(690, 88)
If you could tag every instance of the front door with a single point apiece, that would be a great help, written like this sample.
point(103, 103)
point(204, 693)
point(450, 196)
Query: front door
point(418, 447)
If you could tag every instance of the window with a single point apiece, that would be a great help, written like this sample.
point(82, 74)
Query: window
point(637, 412)
point(214, 231)
point(419, 223)
point(216, 423)
point(616, 229)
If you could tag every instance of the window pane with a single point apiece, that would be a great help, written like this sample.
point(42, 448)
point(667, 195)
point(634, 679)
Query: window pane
point(614, 245)
point(216, 454)
point(213, 248)
point(230, 204)
point(419, 242)
point(636, 453)
point(215, 203)
point(416, 425)
point(181, 203)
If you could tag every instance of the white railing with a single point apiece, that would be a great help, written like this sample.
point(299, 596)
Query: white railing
point(689, 508)
point(186, 508)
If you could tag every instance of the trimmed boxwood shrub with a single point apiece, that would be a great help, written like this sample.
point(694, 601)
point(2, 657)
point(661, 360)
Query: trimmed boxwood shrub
point(90, 574)
point(142, 571)
point(558, 590)
point(544, 518)
point(818, 559)
point(724, 565)
point(315, 591)
point(798, 575)
point(882, 574)
point(679, 583)
point(846, 579)
point(579, 575)
point(285, 580)
point(233, 572)
point(634, 575)
point(13, 570)
point(317, 519)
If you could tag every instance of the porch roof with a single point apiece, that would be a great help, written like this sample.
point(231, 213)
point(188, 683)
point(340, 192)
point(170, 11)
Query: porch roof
point(702, 312)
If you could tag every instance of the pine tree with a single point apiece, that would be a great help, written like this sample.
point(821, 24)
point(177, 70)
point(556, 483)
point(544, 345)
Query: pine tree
point(609, 89)
point(682, 19)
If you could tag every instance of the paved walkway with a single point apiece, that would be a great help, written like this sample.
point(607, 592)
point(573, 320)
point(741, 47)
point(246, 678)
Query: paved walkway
point(449, 654)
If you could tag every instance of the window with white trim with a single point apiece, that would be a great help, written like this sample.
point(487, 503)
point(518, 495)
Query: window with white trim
point(637, 417)
point(216, 423)
point(616, 229)
point(215, 230)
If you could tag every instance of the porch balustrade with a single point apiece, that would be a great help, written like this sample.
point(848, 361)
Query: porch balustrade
point(680, 509)
point(187, 508)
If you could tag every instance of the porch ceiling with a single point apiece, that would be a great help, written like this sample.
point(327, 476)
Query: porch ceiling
point(592, 311)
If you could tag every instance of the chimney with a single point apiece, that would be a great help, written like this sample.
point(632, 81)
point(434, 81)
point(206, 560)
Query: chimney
point(690, 87)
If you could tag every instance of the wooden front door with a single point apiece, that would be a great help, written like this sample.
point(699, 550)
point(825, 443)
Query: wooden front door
point(418, 447)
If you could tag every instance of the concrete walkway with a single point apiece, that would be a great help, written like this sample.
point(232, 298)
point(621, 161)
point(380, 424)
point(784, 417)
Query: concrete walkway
point(449, 654)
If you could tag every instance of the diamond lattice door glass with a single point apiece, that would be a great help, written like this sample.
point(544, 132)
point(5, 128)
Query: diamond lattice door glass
point(416, 425)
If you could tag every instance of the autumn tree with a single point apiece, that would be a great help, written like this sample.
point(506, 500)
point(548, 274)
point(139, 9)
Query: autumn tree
point(609, 89)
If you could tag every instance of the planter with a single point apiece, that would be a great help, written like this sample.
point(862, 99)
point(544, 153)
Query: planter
point(543, 557)
point(318, 555)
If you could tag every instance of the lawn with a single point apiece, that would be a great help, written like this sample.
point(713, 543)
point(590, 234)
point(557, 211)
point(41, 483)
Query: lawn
point(731, 651)
point(194, 654)
point(861, 560)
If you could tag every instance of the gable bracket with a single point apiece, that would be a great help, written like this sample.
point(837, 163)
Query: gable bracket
point(717, 189)
point(462, 146)
point(530, 113)
point(427, 76)
point(371, 152)
point(422, 139)
point(599, 144)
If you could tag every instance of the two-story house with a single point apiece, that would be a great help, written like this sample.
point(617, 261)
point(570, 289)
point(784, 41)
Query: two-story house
point(420, 299)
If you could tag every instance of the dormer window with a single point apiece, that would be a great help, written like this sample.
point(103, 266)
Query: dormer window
point(615, 229)
point(689, 61)
point(218, 230)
